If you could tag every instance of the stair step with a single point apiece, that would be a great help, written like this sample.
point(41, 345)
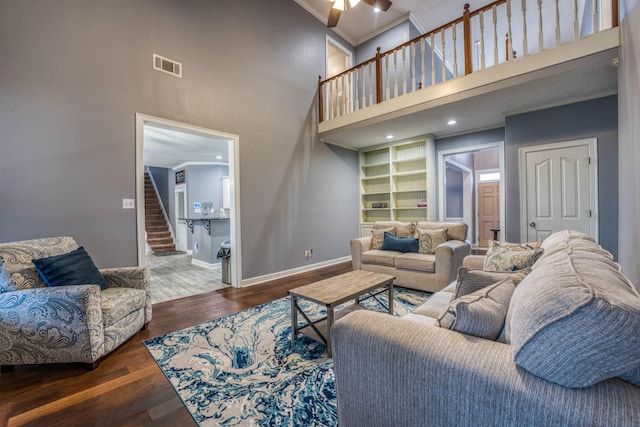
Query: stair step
point(158, 234)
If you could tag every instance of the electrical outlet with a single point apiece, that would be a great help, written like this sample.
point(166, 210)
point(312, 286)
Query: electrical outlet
point(128, 204)
point(306, 253)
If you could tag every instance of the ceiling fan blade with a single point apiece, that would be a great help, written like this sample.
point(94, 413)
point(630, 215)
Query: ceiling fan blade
point(384, 5)
point(334, 16)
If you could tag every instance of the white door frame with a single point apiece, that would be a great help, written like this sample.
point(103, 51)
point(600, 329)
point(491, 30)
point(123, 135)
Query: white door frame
point(467, 184)
point(234, 174)
point(180, 188)
point(592, 143)
point(349, 55)
point(441, 168)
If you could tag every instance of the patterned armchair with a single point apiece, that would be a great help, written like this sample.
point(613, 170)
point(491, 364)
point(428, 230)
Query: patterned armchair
point(80, 323)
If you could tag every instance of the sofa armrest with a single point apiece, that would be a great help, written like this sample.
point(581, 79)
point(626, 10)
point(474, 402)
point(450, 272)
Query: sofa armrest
point(417, 374)
point(131, 277)
point(473, 261)
point(358, 246)
point(449, 256)
point(39, 325)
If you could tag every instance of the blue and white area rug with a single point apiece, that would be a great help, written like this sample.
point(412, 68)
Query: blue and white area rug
point(244, 370)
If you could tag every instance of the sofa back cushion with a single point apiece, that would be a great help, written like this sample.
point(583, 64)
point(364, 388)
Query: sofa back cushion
point(575, 319)
point(455, 230)
point(17, 258)
point(402, 229)
point(377, 236)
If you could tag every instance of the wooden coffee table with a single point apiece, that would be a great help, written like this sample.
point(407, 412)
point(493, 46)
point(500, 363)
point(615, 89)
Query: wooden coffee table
point(331, 293)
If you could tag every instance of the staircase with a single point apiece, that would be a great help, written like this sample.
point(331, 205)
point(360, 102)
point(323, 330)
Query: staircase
point(158, 233)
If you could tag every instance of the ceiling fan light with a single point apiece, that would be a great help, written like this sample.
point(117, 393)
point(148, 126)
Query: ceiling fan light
point(338, 4)
point(353, 3)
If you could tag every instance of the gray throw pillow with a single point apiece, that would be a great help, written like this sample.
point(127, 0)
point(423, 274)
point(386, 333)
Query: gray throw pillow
point(506, 257)
point(480, 313)
point(377, 236)
point(470, 279)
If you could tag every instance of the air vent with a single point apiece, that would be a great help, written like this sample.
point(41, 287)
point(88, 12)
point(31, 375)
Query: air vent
point(167, 65)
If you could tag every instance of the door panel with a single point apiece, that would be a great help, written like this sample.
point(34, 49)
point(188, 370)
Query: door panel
point(488, 211)
point(557, 194)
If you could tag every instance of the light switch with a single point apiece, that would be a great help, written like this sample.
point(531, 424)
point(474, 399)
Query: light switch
point(128, 204)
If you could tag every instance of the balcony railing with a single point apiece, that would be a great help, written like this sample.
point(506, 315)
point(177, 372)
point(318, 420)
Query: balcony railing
point(489, 36)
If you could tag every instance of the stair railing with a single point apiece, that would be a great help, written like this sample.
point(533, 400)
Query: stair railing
point(477, 40)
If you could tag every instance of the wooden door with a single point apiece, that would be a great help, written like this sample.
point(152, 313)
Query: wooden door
point(557, 193)
point(488, 211)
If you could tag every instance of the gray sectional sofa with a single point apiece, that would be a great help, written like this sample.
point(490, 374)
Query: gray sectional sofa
point(421, 271)
point(568, 353)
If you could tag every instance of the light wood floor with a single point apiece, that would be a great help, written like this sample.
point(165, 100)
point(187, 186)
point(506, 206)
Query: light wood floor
point(174, 276)
point(128, 388)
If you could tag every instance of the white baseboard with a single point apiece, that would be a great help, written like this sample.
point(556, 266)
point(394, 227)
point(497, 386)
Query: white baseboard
point(204, 264)
point(280, 274)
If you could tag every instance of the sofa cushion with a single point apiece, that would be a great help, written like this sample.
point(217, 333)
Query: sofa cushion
point(455, 230)
point(501, 257)
point(430, 239)
point(480, 313)
point(417, 262)
point(575, 320)
point(403, 229)
point(436, 305)
point(632, 377)
point(377, 236)
point(470, 280)
point(120, 302)
point(561, 241)
point(73, 268)
point(380, 257)
point(400, 244)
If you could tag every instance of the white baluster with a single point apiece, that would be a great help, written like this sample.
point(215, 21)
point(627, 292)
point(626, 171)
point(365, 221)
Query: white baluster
point(454, 35)
point(509, 36)
point(596, 17)
point(386, 67)
point(371, 83)
point(331, 99)
point(576, 31)
point(433, 61)
point(423, 71)
point(525, 48)
point(363, 94)
point(395, 73)
point(404, 70)
point(444, 68)
point(540, 33)
point(345, 94)
point(482, 65)
point(495, 35)
point(413, 67)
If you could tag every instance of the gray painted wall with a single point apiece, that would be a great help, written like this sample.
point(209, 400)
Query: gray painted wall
point(595, 118)
point(75, 73)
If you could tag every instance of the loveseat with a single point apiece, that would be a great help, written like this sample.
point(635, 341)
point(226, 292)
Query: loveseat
point(60, 323)
point(567, 352)
point(423, 271)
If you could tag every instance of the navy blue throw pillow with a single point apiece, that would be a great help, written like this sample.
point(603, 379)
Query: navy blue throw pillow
point(73, 268)
point(400, 244)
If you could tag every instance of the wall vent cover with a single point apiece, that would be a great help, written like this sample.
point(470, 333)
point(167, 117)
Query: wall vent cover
point(167, 65)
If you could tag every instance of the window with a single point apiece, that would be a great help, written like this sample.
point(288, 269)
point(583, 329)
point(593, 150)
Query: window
point(489, 176)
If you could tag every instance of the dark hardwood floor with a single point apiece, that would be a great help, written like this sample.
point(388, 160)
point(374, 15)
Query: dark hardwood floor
point(128, 388)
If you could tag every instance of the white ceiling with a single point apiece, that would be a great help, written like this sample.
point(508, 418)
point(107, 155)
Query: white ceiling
point(359, 24)
point(169, 148)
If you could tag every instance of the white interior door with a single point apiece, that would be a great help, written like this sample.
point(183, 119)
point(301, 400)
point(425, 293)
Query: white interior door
point(559, 189)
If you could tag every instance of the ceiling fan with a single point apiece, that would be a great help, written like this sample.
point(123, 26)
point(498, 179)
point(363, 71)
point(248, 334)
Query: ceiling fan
point(337, 6)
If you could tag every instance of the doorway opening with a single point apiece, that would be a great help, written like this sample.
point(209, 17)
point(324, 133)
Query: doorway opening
point(190, 163)
point(471, 190)
point(339, 59)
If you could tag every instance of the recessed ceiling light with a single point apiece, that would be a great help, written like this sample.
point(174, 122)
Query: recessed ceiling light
point(376, 9)
point(219, 157)
point(452, 122)
point(389, 136)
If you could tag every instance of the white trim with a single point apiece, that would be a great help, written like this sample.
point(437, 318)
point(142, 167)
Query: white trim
point(592, 144)
point(204, 264)
point(234, 173)
point(185, 164)
point(501, 159)
point(285, 273)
